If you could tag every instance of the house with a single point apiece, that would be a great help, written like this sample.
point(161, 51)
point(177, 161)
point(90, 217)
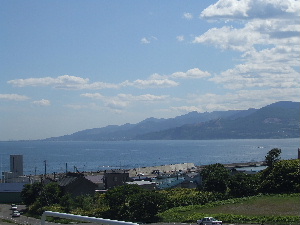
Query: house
point(115, 178)
point(77, 184)
point(11, 192)
point(191, 180)
point(98, 180)
point(144, 184)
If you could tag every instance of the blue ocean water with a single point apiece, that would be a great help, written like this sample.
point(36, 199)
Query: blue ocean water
point(94, 156)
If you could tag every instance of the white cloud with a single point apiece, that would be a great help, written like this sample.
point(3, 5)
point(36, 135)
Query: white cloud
point(78, 83)
point(116, 104)
point(194, 73)
point(185, 109)
point(259, 76)
point(145, 41)
point(93, 95)
point(76, 106)
point(146, 97)
point(231, 38)
point(180, 38)
point(268, 39)
point(126, 97)
point(191, 74)
point(64, 81)
point(249, 9)
point(187, 16)
point(154, 83)
point(242, 99)
point(42, 102)
point(121, 101)
point(13, 97)
point(148, 40)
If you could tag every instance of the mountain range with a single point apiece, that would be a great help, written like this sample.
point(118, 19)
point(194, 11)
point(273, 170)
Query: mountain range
point(278, 120)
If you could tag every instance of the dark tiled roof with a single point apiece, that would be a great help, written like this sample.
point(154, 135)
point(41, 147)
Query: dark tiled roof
point(66, 181)
point(95, 179)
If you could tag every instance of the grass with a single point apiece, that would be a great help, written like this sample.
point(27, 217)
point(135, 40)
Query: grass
point(277, 205)
point(274, 209)
point(6, 221)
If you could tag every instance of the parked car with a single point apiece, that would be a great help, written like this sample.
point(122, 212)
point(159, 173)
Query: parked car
point(14, 206)
point(16, 213)
point(209, 221)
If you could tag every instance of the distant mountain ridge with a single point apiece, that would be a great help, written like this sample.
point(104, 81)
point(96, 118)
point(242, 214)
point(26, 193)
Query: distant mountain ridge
point(278, 120)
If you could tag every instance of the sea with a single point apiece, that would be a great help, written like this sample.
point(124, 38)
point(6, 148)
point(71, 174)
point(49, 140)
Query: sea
point(42, 156)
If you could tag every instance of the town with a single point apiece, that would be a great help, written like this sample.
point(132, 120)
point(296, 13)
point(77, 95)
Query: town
point(184, 175)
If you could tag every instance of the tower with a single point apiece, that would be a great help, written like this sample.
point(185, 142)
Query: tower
point(16, 165)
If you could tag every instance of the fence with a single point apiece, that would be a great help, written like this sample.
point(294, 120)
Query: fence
point(83, 218)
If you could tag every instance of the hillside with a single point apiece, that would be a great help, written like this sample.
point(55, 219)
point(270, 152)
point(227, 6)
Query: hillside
point(278, 120)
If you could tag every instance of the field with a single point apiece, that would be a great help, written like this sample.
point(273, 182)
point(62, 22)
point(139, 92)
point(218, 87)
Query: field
point(276, 209)
point(260, 206)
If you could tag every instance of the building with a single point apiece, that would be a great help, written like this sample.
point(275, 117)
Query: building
point(77, 184)
point(15, 175)
point(144, 184)
point(11, 192)
point(16, 165)
point(115, 178)
point(98, 180)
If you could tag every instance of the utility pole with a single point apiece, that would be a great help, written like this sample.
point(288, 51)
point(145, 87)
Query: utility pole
point(45, 167)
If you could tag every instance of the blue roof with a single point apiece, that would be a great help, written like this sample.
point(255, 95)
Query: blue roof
point(11, 187)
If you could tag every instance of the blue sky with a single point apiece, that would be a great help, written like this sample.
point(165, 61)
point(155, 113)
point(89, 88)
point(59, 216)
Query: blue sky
point(73, 65)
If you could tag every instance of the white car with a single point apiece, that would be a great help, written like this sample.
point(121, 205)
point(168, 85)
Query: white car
point(14, 206)
point(209, 221)
point(16, 213)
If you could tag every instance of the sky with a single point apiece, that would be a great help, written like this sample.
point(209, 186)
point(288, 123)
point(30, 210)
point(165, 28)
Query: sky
point(67, 66)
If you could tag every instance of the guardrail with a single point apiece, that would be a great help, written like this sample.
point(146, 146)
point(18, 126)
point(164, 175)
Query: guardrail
point(83, 218)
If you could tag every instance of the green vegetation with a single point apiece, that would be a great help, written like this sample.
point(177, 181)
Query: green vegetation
point(6, 221)
point(280, 209)
point(272, 196)
point(273, 156)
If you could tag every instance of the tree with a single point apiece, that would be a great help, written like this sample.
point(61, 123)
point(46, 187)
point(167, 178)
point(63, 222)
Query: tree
point(117, 200)
point(50, 194)
point(215, 178)
point(36, 196)
point(283, 177)
point(30, 193)
point(144, 206)
point(242, 185)
point(273, 156)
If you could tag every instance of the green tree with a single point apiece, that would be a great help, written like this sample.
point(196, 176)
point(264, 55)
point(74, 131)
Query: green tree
point(31, 192)
point(117, 200)
point(215, 178)
point(242, 185)
point(272, 157)
point(50, 194)
point(283, 177)
point(144, 206)
point(36, 196)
